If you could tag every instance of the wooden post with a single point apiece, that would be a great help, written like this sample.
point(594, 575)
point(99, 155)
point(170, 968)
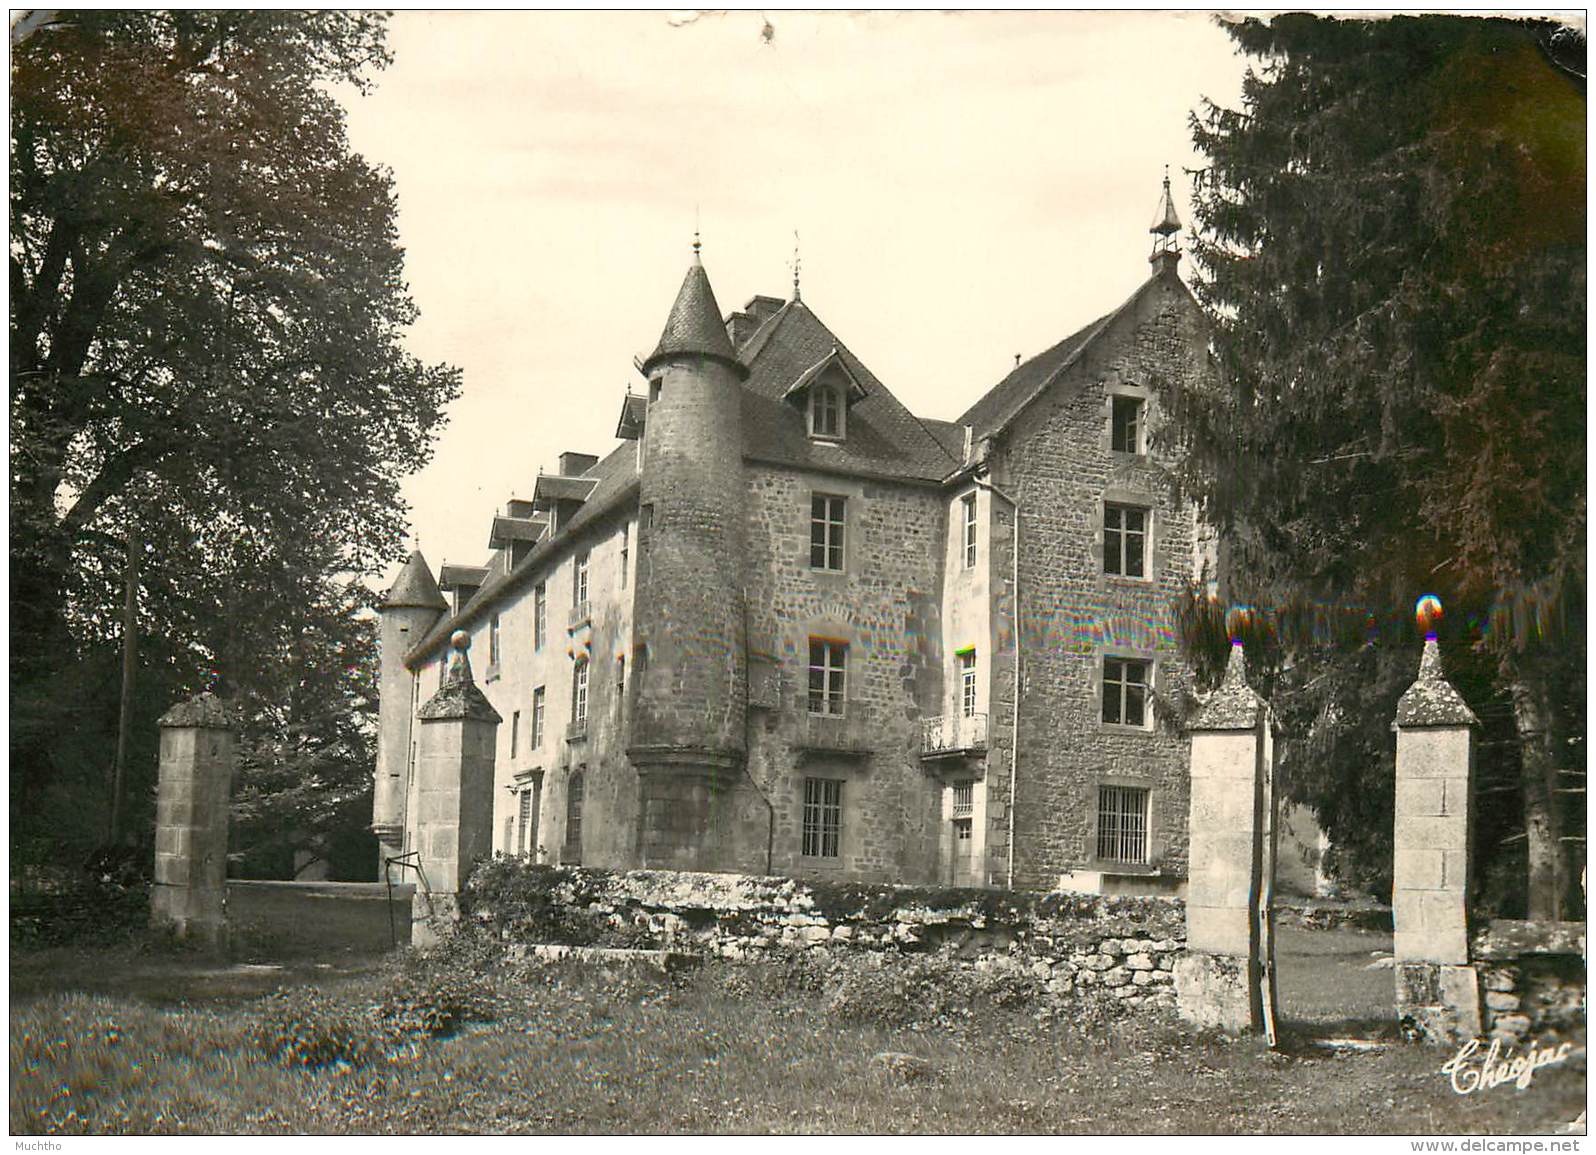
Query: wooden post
point(130, 663)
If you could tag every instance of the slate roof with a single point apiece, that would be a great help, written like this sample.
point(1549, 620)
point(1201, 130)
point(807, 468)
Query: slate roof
point(949, 435)
point(451, 576)
point(414, 586)
point(615, 480)
point(695, 324)
point(552, 487)
point(1005, 399)
point(883, 438)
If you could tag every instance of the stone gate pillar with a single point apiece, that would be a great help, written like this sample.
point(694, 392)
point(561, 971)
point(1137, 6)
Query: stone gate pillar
point(195, 788)
point(1217, 980)
point(1437, 990)
point(453, 823)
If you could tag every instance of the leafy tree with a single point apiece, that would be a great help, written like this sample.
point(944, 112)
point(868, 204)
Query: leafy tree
point(1392, 243)
point(207, 304)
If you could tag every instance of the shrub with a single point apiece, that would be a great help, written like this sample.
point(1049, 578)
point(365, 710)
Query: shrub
point(306, 1028)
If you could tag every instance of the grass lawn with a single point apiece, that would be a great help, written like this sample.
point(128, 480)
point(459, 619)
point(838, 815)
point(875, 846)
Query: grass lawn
point(120, 1042)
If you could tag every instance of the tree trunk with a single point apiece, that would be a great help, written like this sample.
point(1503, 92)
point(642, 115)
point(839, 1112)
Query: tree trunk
point(1543, 823)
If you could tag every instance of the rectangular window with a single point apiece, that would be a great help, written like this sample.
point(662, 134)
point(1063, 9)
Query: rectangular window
point(515, 731)
point(575, 792)
point(620, 683)
point(828, 670)
point(822, 831)
point(1125, 540)
point(524, 817)
point(540, 615)
point(579, 583)
point(537, 718)
point(531, 813)
point(1127, 430)
point(1122, 824)
point(626, 550)
point(1125, 691)
point(967, 683)
point(579, 691)
point(827, 516)
point(968, 507)
point(825, 412)
point(493, 640)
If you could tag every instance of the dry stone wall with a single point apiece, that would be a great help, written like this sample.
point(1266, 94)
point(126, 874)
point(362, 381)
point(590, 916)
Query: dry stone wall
point(1071, 944)
point(1532, 978)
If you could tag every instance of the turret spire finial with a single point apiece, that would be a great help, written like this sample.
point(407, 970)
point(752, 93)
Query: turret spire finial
point(797, 265)
point(1166, 223)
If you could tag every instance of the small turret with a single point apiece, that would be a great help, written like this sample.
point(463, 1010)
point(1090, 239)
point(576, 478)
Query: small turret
point(687, 739)
point(411, 608)
point(1166, 224)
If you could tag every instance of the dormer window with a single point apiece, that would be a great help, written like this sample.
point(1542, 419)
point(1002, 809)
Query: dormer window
point(825, 391)
point(826, 412)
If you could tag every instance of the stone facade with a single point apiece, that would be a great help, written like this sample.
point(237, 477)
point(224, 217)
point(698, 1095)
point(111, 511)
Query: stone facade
point(964, 609)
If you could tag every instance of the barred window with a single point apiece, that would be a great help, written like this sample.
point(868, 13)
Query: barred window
point(822, 830)
point(828, 662)
point(827, 519)
point(1122, 824)
point(964, 799)
point(1125, 683)
point(1125, 540)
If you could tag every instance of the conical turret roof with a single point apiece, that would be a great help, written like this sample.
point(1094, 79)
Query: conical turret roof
point(1166, 221)
point(695, 326)
point(415, 587)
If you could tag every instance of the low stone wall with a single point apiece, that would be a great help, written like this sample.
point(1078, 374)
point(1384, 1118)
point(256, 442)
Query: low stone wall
point(1532, 978)
point(291, 919)
point(1070, 943)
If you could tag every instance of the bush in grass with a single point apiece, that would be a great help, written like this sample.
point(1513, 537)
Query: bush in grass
point(437, 1003)
point(306, 1028)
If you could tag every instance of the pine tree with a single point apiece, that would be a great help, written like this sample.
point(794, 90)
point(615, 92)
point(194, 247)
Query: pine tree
point(1391, 239)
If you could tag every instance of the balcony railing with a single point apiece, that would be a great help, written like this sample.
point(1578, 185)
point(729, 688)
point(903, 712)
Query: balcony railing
point(581, 615)
point(847, 734)
point(576, 731)
point(949, 735)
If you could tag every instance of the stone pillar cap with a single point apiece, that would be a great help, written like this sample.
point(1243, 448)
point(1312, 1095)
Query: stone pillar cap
point(1233, 706)
point(1432, 700)
point(459, 698)
point(203, 711)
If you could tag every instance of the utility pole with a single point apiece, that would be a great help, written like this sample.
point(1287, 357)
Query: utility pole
point(130, 662)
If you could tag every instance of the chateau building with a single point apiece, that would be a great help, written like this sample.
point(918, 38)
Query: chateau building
point(788, 627)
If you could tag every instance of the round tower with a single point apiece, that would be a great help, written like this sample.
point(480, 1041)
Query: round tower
point(688, 741)
point(411, 608)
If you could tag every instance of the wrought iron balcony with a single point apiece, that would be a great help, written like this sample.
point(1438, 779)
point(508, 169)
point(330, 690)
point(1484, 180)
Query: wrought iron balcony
point(576, 731)
point(953, 735)
point(581, 615)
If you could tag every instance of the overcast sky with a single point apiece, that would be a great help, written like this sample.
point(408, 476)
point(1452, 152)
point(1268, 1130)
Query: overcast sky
point(966, 187)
